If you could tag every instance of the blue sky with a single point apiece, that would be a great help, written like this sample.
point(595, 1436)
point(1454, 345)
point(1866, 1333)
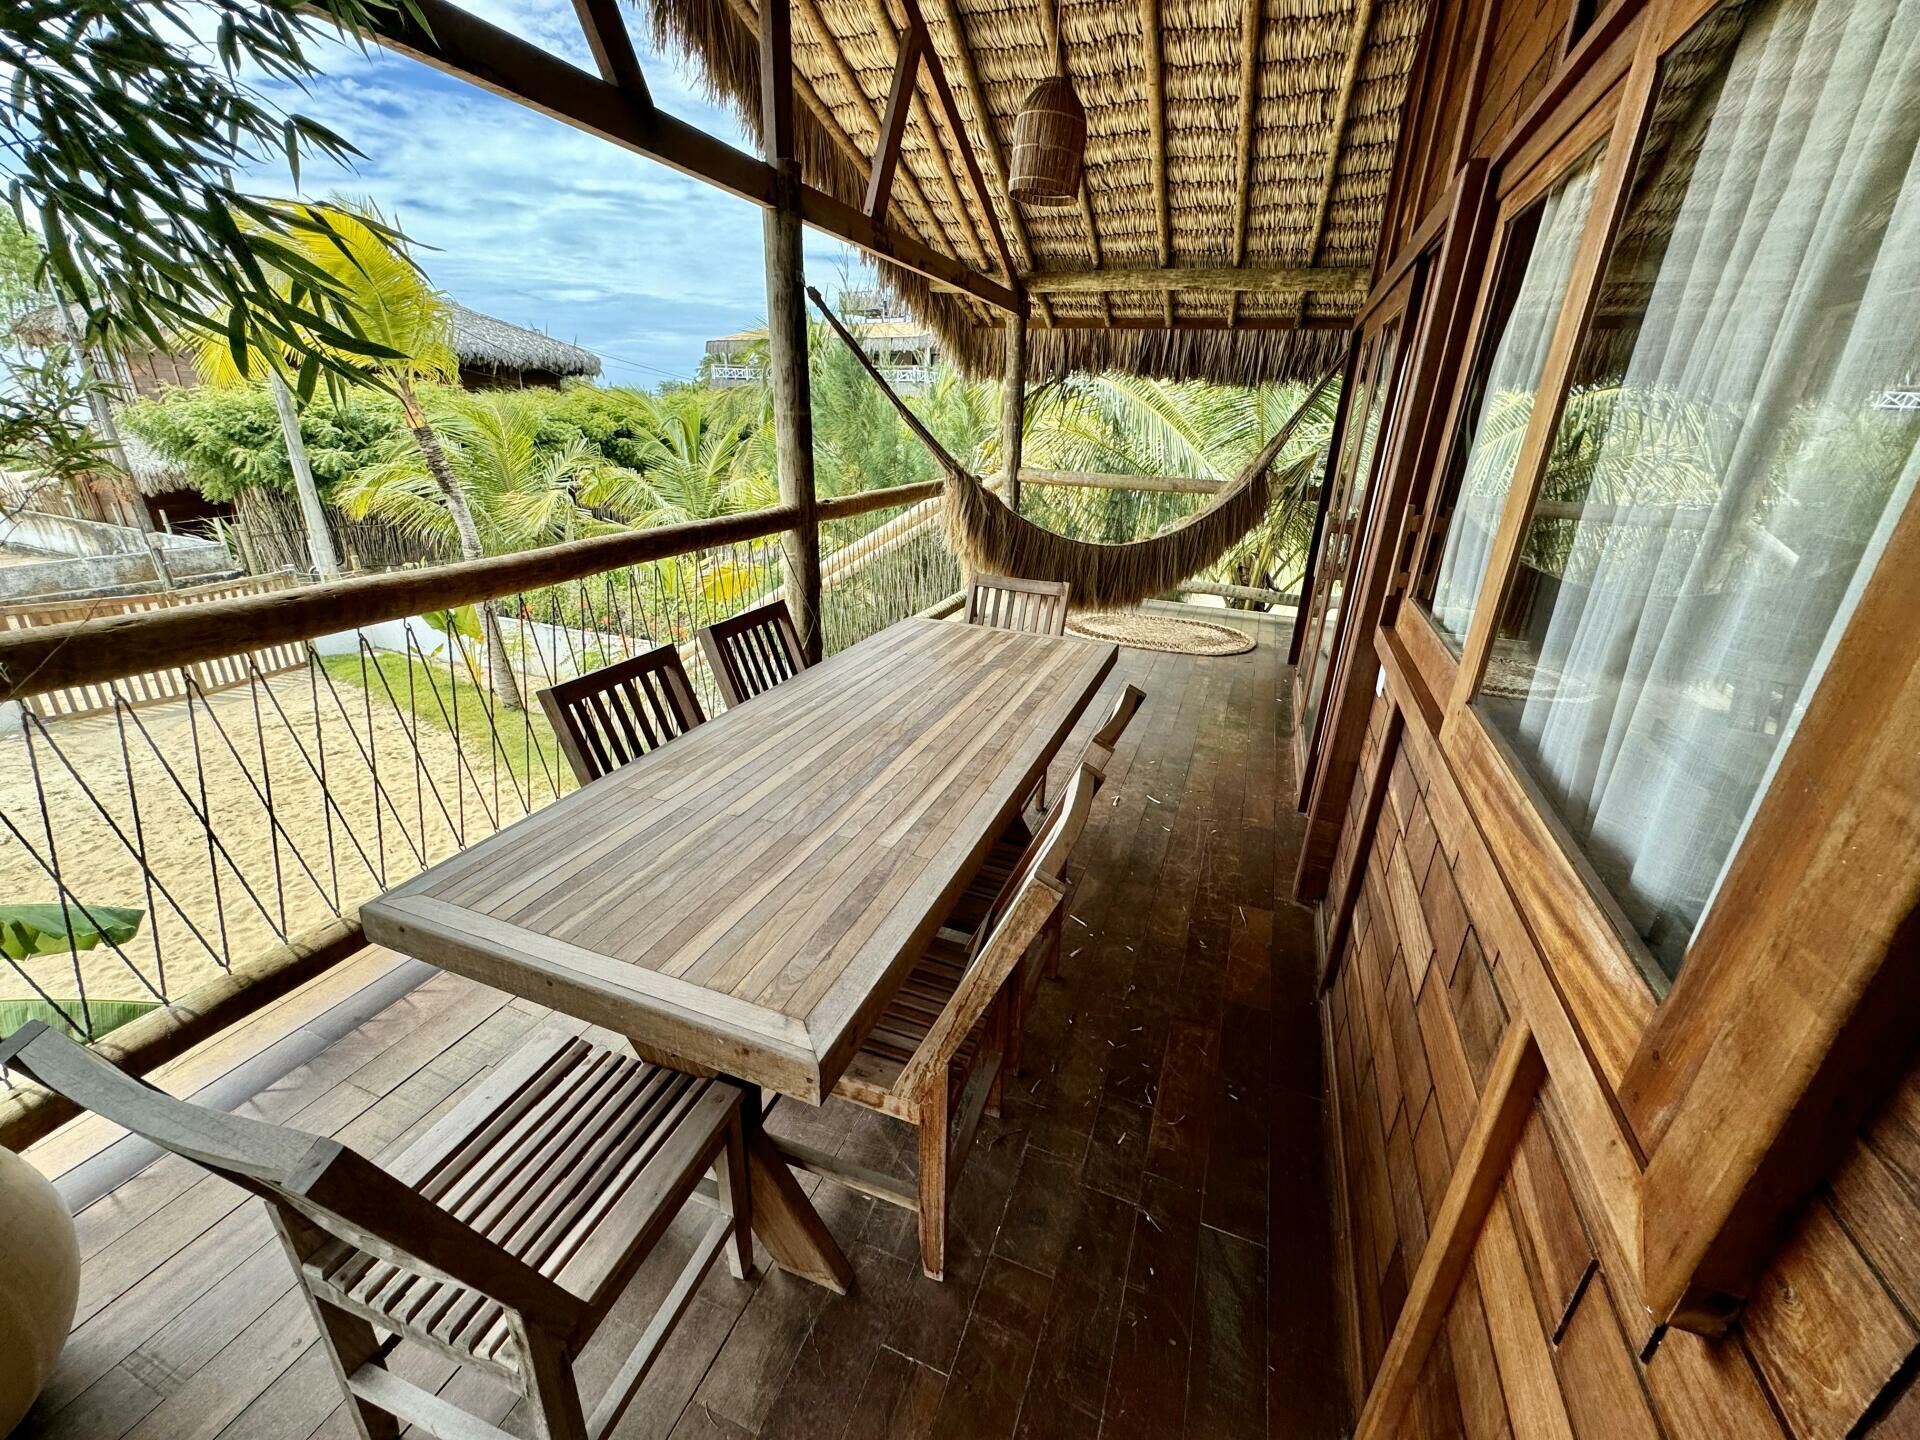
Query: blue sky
point(537, 223)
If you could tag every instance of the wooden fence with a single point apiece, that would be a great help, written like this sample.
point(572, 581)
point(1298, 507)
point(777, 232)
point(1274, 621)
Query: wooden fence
point(152, 686)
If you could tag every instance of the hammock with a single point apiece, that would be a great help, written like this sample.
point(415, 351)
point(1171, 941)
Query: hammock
point(990, 536)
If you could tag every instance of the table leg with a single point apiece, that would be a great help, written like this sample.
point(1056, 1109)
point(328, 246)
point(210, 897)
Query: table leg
point(783, 1217)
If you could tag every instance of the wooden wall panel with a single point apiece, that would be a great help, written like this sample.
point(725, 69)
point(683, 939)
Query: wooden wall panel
point(1535, 1343)
point(1527, 43)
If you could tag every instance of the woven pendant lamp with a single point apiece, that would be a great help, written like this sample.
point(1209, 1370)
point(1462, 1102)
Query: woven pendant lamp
point(1049, 144)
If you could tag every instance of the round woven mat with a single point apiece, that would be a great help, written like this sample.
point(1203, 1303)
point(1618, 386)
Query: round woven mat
point(1139, 630)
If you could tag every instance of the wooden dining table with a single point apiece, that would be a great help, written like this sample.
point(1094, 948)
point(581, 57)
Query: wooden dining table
point(745, 900)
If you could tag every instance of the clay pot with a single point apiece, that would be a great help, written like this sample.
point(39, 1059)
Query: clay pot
point(39, 1284)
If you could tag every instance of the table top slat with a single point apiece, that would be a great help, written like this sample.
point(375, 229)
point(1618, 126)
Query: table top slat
point(747, 897)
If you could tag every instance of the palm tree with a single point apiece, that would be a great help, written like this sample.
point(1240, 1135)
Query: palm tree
point(1126, 425)
point(699, 463)
point(399, 312)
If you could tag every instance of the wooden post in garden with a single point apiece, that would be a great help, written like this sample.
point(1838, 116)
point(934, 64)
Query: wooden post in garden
point(1013, 403)
point(787, 327)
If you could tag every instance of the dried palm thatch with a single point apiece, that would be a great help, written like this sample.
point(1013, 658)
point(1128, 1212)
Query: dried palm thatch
point(988, 535)
point(1250, 133)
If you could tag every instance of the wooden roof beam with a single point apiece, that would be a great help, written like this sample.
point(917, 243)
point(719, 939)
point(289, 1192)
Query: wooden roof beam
point(1252, 21)
point(1346, 280)
point(950, 106)
point(928, 223)
point(1155, 62)
point(483, 54)
point(893, 122)
point(612, 47)
point(996, 155)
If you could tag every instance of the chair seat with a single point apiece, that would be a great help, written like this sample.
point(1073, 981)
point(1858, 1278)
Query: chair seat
point(870, 1076)
point(571, 1157)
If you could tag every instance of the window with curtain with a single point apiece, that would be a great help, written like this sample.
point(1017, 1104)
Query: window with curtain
point(1529, 288)
point(1741, 436)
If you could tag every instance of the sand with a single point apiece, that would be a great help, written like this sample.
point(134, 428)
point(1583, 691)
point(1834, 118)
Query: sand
point(257, 882)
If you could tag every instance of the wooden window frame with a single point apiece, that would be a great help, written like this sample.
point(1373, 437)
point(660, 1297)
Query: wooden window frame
point(1433, 659)
point(1394, 306)
point(1735, 1091)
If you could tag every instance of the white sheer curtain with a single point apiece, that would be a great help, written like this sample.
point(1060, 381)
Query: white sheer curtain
point(1513, 375)
point(1782, 326)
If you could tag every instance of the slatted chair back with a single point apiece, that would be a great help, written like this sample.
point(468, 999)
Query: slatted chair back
point(1005, 602)
point(1045, 857)
point(616, 714)
point(316, 1178)
point(1099, 752)
point(753, 651)
point(502, 1237)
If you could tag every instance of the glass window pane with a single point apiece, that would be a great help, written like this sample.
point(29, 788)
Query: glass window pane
point(1743, 431)
point(1529, 288)
point(1346, 511)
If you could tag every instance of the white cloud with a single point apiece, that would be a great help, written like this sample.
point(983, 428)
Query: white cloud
point(533, 221)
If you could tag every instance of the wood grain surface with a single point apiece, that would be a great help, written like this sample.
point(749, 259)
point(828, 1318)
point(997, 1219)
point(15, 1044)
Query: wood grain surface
point(746, 899)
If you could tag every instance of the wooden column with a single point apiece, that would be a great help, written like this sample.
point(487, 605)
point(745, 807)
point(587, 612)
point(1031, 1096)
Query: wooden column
point(1013, 404)
point(787, 327)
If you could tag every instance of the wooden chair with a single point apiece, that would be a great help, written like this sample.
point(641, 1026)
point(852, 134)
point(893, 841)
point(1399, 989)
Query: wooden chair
point(1006, 602)
point(618, 713)
point(501, 1238)
point(935, 1057)
point(753, 651)
point(977, 901)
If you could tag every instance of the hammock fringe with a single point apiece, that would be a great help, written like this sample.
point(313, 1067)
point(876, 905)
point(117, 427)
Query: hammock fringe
point(989, 536)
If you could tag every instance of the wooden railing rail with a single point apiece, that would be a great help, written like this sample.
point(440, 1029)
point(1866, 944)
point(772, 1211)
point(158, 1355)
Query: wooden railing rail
point(91, 652)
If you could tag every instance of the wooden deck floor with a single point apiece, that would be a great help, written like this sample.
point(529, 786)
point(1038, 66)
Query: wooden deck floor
point(1141, 1244)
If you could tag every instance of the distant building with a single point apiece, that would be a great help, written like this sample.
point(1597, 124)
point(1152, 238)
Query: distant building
point(902, 349)
point(493, 355)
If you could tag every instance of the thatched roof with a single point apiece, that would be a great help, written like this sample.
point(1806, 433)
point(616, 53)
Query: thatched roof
point(1163, 83)
point(478, 340)
point(482, 340)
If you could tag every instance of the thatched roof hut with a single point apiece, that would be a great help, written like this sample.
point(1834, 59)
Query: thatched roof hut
point(491, 352)
point(1258, 136)
point(513, 352)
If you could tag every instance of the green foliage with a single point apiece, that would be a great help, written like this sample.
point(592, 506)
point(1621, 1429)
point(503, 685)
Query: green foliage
point(228, 440)
point(1126, 425)
point(521, 490)
point(122, 129)
point(102, 1016)
point(50, 929)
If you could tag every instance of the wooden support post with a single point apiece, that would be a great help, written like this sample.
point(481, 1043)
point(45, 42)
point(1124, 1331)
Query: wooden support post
point(1013, 405)
point(787, 328)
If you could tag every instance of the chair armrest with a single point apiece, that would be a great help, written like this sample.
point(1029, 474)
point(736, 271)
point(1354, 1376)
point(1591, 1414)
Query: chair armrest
point(1010, 941)
point(398, 1224)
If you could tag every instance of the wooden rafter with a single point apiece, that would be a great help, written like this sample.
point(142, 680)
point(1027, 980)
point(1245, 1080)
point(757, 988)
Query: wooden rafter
point(893, 121)
point(612, 47)
point(1229, 278)
point(1342, 112)
point(809, 14)
point(950, 107)
point(989, 137)
point(1057, 42)
point(1252, 21)
point(1156, 74)
point(483, 54)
